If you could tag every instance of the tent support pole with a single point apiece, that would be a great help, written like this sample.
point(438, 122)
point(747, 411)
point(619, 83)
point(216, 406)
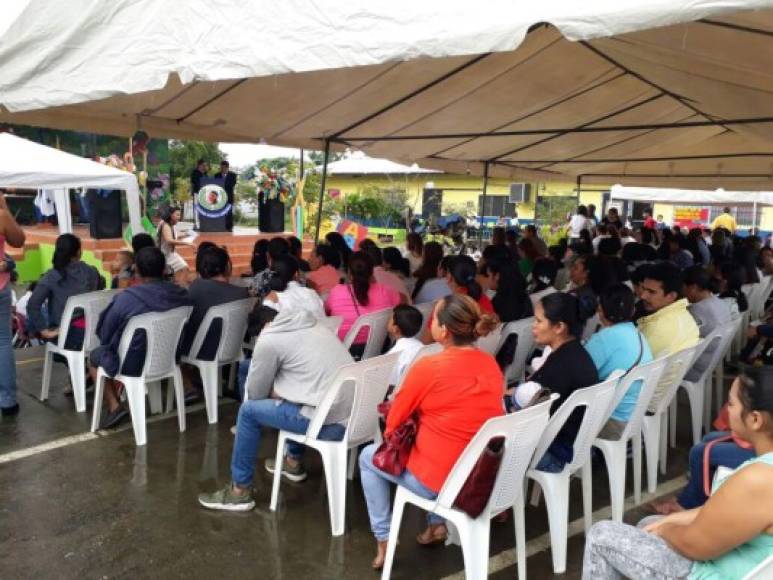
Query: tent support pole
point(579, 188)
point(483, 205)
point(322, 190)
point(754, 217)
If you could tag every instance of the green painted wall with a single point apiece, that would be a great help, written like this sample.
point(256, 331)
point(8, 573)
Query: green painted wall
point(37, 262)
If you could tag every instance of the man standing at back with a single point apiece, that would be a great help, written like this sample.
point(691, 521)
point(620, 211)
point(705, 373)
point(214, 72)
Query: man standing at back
point(725, 220)
point(229, 183)
point(668, 327)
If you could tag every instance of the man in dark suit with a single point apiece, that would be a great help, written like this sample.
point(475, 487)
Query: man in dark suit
point(202, 168)
point(229, 184)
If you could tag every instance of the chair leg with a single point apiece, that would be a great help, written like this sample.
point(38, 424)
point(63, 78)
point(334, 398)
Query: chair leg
point(663, 442)
point(179, 392)
point(351, 463)
point(475, 547)
point(614, 456)
point(394, 532)
point(557, 503)
point(99, 387)
point(280, 454)
point(520, 536)
point(719, 383)
point(135, 393)
point(696, 397)
point(48, 363)
point(707, 394)
point(77, 367)
point(233, 368)
point(536, 494)
point(155, 397)
point(211, 380)
point(672, 408)
point(587, 496)
point(636, 448)
point(334, 462)
point(651, 443)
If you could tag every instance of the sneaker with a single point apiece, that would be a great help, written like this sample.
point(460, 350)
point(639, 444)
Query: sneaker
point(226, 499)
point(293, 473)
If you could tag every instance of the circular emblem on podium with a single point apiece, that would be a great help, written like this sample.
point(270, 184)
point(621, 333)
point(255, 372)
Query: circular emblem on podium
point(212, 201)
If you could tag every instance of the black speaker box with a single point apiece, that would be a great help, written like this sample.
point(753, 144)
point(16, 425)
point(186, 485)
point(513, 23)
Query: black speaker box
point(105, 214)
point(271, 216)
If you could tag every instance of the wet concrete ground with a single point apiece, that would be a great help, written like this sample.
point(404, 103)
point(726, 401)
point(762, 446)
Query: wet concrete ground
point(103, 508)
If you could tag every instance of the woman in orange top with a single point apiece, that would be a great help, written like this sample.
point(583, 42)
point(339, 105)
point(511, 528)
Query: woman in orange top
point(453, 393)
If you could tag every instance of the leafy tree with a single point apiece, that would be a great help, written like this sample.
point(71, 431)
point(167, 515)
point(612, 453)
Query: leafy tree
point(183, 156)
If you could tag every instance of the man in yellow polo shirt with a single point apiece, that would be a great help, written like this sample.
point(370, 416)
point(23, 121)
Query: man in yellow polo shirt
point(726, 220)
point(669, 327)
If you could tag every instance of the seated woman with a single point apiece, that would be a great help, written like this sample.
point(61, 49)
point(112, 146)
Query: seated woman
point(325, 263)
point(543, 280)
point(453, 393)
point(558, 323)
point(168, 243)
point(731, 280)
point(430, 284)
point(725, 538)
point(338, 243)
point(69, 277)
point(510, 301)
point(399, 266)
point(528, 253)
point(618, 346)
point(414, 251)
point(287, 294)
point(361, 295)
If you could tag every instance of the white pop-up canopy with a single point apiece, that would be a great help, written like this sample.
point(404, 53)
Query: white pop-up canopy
point(691, 196)
point(639, 92)
point(29, 165)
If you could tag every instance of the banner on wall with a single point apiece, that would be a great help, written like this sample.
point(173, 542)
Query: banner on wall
point(686, 216)
point(352, 232)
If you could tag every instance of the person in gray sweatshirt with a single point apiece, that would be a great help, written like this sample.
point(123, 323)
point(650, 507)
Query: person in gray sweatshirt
point(708, 311)
point(293, 365)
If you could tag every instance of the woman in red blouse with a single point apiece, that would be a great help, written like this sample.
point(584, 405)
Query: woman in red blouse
point(453, 393)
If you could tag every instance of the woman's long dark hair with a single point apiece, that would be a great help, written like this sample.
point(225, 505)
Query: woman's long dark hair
point(396, 262)
point(283, 271)
point(561, 307)
point(339, 243)
point(431, 257)
point(734, 276)
point(462, 270)
point(259, 261)
point(166, 217)
point(511, 301)
point(66, 249)
point(360, 274)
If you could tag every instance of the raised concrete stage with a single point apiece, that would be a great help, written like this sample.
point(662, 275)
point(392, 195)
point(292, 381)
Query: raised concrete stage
point(239, 244)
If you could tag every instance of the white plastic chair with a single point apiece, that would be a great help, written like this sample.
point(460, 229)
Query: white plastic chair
point(332, 323)
point(367, 382)
point(376, 323)
point(233, 317)
point(699, 390)
point(654, 427)
point(522, 329)
point(615, 451)
point(591, 326)
point(521, 432)
point(763, 571)
point(490, 342)
point(597, 400)
point(162, 330)
point(92, 304)
point(719, 371)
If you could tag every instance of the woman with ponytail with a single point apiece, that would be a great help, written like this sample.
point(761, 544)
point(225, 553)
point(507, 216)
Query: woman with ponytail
point(68, 277)
point(461, 279)
point(360, 295)
point(559, 320)
point(287, 294)
point(453, 394)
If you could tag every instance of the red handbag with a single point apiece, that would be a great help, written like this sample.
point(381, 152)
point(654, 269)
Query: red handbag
point(477, 488)
point(392, 455)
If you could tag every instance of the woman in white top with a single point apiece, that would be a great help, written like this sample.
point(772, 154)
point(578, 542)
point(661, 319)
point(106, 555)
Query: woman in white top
point(414, 250)
point(578, 222)
point(287, 294)
point(543, 279)
point(168, 242)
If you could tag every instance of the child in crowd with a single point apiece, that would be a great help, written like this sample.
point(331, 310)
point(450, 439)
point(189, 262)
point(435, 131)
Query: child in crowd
point(403, 327)
point(123, 265)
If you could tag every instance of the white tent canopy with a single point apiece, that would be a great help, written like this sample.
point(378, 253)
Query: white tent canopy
point(691, 196)
point(29, 165)
point(359, 164)
point(639, 92)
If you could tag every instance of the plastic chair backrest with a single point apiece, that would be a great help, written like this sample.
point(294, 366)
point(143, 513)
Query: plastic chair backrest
point(525, 346)
point(376, 323)
point(490, 342)
point(720, 337)
point(163, 330)
point(521, 432)
point(368, 381)
point(597, 400)
point(649, 374)
point(92, 304)
point(332, 323)
point(233, 317)
point(678, 364)
point(426, 311)
point(590, 327)
point(763, 571)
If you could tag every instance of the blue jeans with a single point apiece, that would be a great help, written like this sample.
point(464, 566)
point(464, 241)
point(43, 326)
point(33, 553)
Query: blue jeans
point(7, 360)
point(375, 484)
point(253, 415)
point(725, 454)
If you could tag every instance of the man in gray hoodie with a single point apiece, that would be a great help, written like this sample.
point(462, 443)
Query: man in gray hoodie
point(293, 365)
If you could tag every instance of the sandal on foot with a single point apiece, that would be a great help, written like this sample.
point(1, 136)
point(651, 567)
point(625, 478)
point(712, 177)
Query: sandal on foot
point(433, 535)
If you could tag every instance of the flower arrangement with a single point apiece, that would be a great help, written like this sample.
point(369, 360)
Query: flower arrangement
point(274, 185)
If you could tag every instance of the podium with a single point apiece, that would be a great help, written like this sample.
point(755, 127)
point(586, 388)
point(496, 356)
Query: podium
point(211, 205)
